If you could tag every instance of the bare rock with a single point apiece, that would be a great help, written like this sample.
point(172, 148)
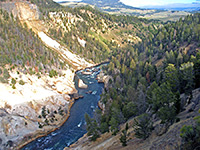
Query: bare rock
point(196, 96)
point(107, 80)
point(101, 106)
point(100, 77)
point(87, 72)
point(81, 84)
point(191, 107)
point(76, 96)
point(160, 129)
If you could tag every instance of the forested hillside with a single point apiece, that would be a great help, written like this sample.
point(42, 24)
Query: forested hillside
point(148, 79)
point(22, 49)
point(102, 32)
point(151, 63)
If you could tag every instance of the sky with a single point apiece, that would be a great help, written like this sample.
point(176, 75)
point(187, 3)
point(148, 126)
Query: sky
point(140, 3)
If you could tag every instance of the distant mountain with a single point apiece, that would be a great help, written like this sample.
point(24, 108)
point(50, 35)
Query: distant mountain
point(106, 3)
point(118, 8)
point(177, 7)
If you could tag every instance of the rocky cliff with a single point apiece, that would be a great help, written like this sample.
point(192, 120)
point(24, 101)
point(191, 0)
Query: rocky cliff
point(35, 105)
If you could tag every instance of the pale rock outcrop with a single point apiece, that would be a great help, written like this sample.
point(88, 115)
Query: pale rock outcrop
point(21, 108)
point(73, 59)
point(81, 84)
point(102, 78)
point(102, 106)
point(81, 42)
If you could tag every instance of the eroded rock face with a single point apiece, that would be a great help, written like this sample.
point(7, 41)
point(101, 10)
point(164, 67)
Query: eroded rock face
point(19, 121)
point(38, 106)
point(106, 79)
point(81, 84)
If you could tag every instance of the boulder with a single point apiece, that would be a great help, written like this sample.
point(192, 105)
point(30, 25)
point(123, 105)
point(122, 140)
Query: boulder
point(160, 129)
point(86, 73)
point(100, 77)
point(89, 92)
point(107, 81)
point(60, 87)
point(76, 96)
point(81, 84)
point(101, 106)
point(196, 96)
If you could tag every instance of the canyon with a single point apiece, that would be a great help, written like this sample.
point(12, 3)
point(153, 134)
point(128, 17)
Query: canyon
point(42, 104)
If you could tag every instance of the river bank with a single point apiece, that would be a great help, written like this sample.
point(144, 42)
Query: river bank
point(73, 127)
point(41, 134)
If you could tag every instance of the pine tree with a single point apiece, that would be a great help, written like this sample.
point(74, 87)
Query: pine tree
point(143, 126)
point(92, 128)
point(124, 135)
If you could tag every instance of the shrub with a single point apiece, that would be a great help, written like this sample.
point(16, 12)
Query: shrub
point(13, 86)
point(2, 80)
point(191, 136)
point(13, 81)
point(143, 126)
point(39, 125)
point(6, 74)
point(53, 73)
point(21, 82)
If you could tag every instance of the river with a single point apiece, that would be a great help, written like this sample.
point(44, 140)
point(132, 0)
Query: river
point(75, 126)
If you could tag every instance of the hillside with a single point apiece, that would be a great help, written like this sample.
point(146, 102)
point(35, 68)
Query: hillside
point(108, 3)
point(39, 60)
point(154, 83)
point(118, 8)
point(36, 75)
point(153, 71)
point(159, 138)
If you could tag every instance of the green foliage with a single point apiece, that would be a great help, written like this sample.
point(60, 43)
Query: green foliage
point(191, 136)
point(130, 110)
point(3, 80)
point(197, 70)
point(39, 125)
point(164, 101)
point(20, 47)
point(104, 127)
point(6, 74)
point(60, 111)
point(143, 126)
point(13, 86)
point(140, 82)
point(21, 82)
point(187, 75)
point(113, 126)
point(123, 137)
point(46, 121)
point(171, 77)
point(44, 112)
point(53, 73)
point(92, 128)
point(13, 81)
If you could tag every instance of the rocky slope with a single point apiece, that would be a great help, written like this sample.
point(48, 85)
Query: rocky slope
point(159, 139)
point(38, 104)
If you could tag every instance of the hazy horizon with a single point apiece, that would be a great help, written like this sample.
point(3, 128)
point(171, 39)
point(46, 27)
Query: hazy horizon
point(136, 3)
